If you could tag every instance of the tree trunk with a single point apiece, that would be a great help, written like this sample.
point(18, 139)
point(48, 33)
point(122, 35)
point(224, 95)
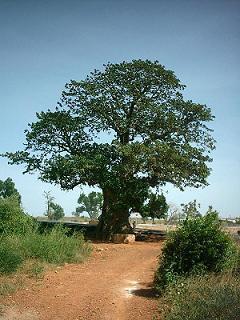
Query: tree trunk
point(114, 217)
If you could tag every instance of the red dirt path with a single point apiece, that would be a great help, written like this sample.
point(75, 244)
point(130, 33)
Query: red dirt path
point(114, 284)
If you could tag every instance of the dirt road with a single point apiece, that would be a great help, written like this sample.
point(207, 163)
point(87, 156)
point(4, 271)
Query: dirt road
point(114, 284)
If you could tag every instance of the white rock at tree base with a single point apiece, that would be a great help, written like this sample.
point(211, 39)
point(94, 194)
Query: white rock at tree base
point(123, 238)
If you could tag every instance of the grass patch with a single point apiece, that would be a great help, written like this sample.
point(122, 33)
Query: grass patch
point(204, 297)
point(52, 247)
point(9, 285)
point(10, 259)
point(55, 247)
point(34, 269)
point(7, 288)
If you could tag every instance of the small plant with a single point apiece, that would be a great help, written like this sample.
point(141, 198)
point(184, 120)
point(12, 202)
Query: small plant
point(9, 285)
point(35, 269)
point(198, 246)
point(7, 288)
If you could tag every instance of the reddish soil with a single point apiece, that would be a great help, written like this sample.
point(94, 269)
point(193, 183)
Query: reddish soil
point(114, 284)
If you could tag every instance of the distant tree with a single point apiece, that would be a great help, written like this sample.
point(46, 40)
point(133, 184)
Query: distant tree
point(54, 210)
point(57, 211)
point(155, 208)
point(91, 203)
point(158, 206)
point(175, 214)
point(191, 209)
point(154, 137)
point(7, 189)
point(237, 220)
point(212, 211)
point(144, 212)
point(49, 199)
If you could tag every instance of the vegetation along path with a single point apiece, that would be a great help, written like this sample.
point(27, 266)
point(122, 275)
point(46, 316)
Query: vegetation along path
point(114, 284)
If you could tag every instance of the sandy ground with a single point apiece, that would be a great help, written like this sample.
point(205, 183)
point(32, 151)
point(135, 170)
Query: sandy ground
point(114, 284)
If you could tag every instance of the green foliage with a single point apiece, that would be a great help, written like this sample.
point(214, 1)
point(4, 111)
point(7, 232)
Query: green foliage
point(52, 247)
point(12, 217)
point(57, 211)
point(191, 209)
point(55, 246)
point(7, 189)
point(197, 247)
point(54, 210)
point(200, 298)
point(92, 204)
point(10, 259)
point(34, 269)
point(153, 137)
point(155, 208)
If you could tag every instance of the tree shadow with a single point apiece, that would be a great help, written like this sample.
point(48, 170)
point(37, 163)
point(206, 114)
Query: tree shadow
point(147, 292)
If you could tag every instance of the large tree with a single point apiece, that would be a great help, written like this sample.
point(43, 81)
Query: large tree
point(123, 129)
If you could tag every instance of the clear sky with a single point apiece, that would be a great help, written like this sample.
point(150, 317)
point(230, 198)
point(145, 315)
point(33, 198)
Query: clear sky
point(44, 44)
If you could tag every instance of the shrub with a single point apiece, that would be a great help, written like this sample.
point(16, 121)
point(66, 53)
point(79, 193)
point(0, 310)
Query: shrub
point(12, 217)
point(10, 260)
point(200, 298)
point(198, 246)
point(55, 246)
point(52, 247)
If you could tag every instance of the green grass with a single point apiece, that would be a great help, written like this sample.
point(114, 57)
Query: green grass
point(198, 298)
point(53, 247)
point(10, 259)
point(34, 269)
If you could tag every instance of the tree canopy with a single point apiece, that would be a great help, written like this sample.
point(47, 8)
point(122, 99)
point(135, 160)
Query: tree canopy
point(91, 203)
point(155, 208)
point(123, 129)
point(13, 219)
point(8, 189)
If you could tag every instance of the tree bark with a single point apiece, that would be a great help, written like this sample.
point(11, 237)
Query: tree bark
point(114, 217)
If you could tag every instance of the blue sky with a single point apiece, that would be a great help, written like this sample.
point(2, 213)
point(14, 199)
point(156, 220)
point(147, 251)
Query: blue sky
point(44, 44)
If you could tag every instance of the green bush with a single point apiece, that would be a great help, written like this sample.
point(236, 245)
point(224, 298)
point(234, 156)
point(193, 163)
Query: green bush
point(10, 260)
point(52, 247)
point(198, 246)
point(55, 246)
point(12, 217)
point(201, 298)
